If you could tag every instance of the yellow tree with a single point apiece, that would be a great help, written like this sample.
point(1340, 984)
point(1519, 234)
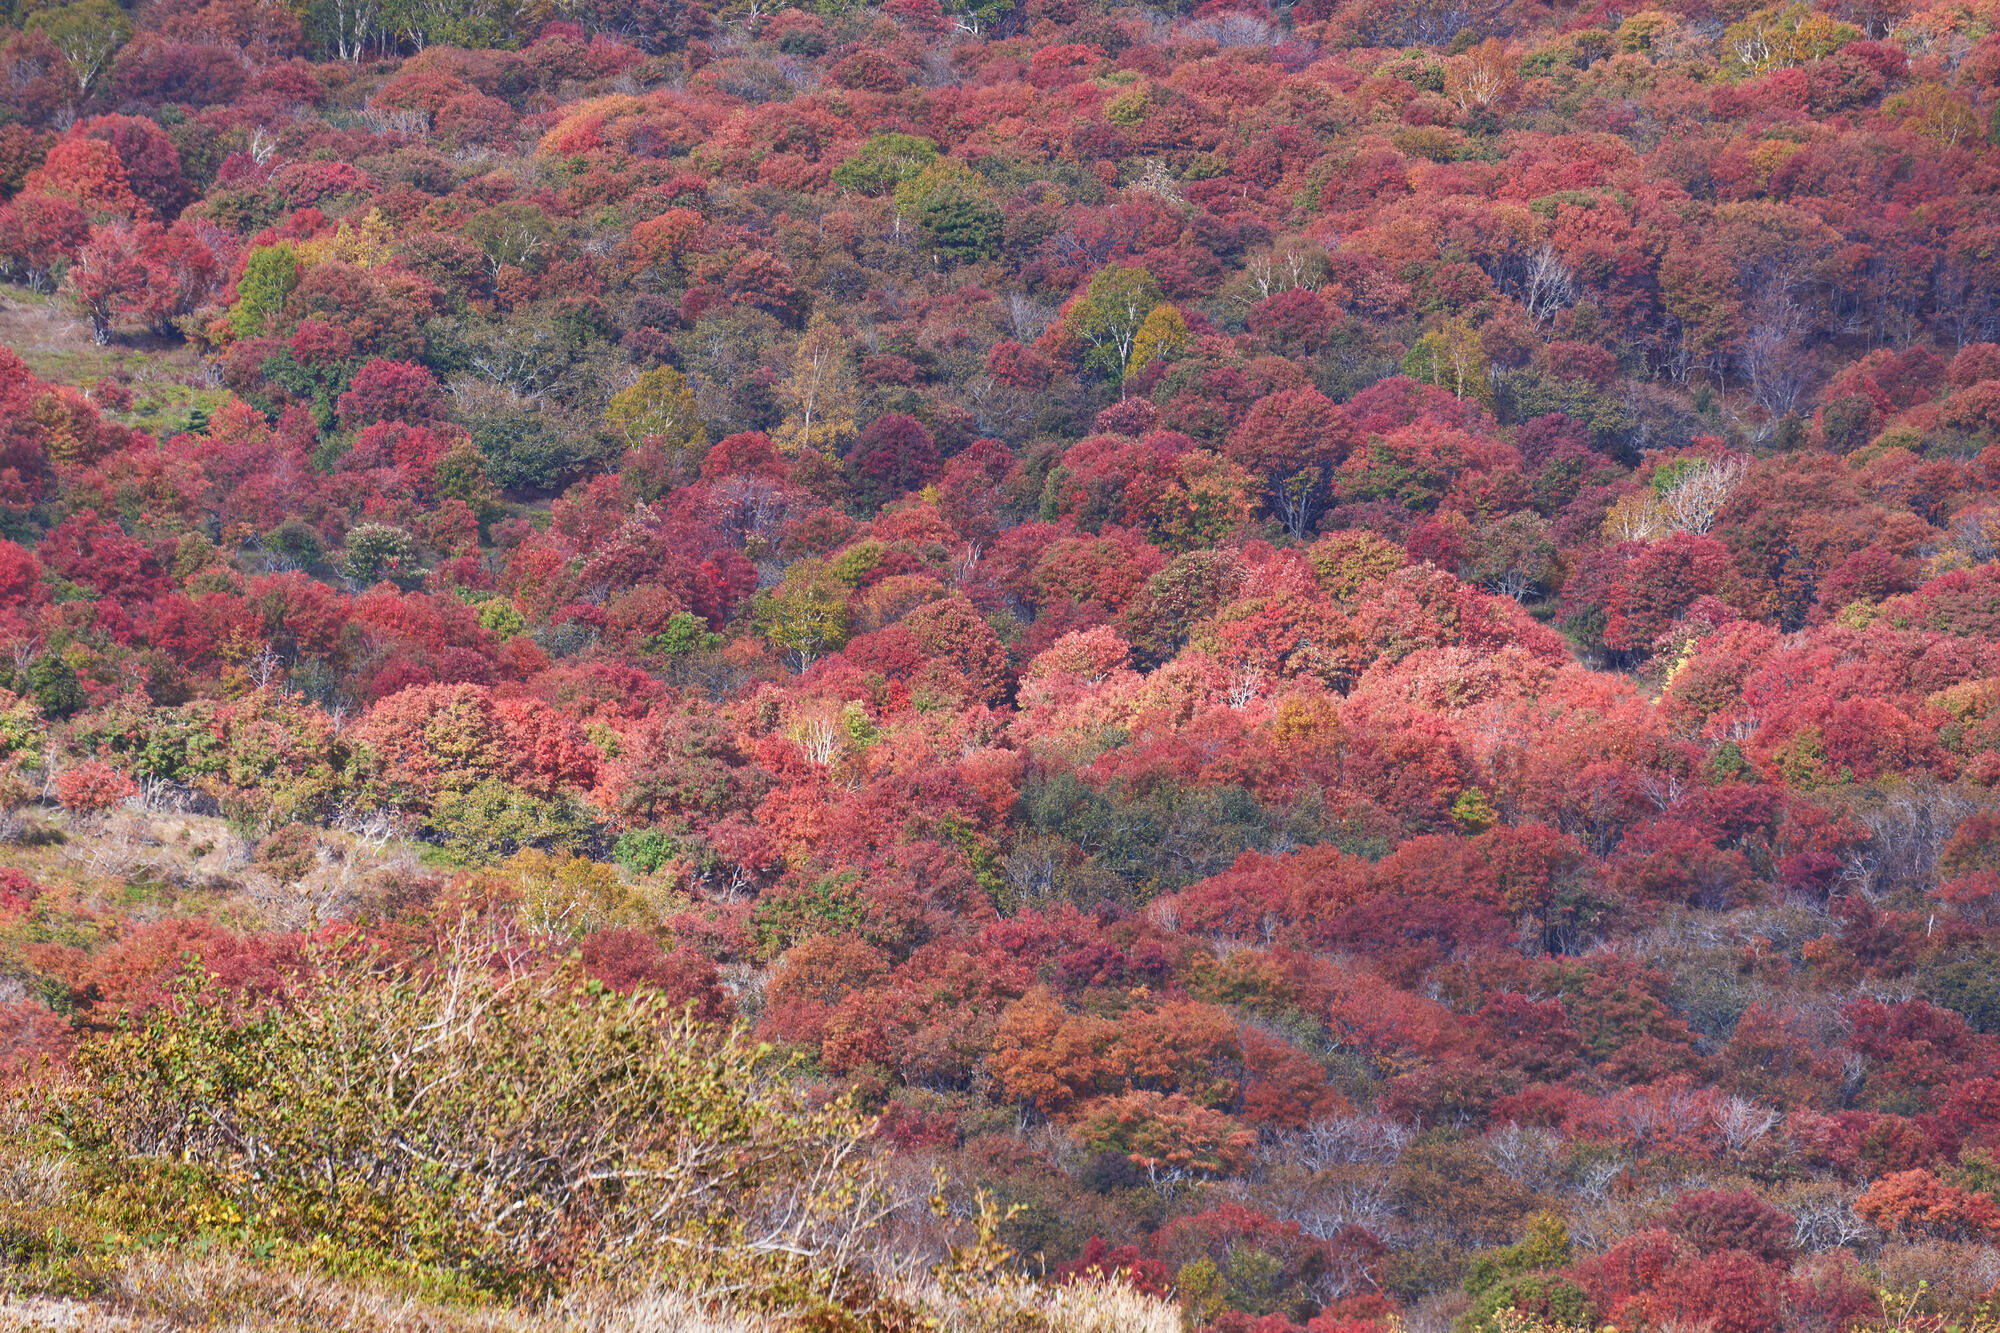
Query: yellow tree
point(1938, 114)
point(369, 245)
point(1451, 358)
point(1479, 77)
point(1778, 38)
point(659, 405)
point(1163, 334)
point(820, 392)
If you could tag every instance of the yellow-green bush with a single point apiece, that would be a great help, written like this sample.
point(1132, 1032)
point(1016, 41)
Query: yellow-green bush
point(501, 1126)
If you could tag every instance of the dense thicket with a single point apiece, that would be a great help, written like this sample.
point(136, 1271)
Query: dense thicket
point(1351, 653)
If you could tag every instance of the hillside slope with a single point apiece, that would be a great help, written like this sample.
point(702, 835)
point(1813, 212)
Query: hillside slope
point(1340, 661)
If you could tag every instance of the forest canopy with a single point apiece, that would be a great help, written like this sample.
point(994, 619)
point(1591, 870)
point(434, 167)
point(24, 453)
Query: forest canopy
point(1321, 667)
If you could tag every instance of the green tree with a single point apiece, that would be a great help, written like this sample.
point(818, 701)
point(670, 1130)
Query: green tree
point(511, 234)
point(344, 27)
point(685, 632)
point(461, 475)
point(976, 16)
point(1130, 107)
point(500, 617)
point(1451, 358)
point(1780, 37)
point(53, 684)
point(952, 206)
point(1519, 1277)
point(477, 25)
point(573, 895)
point(1545, 1298)
point(1969, 983)
point(268, 278)
point(819, 394)
point(1515, 555)
point(1108, 318)
point(525, 452)
point(806, 615)
point(375, 550)
point(642, 851)
point(88, 33)
point(495, 819)
point(1174, 601)
point(885, 162)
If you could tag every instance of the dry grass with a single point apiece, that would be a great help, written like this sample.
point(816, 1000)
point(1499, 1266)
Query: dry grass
point(57, 344)
point(178, 852)
point(676, 1312)
point(1956, 1271)
point(166, 378)
point(186, 851)
point(25, 1315)
point(161, 1292)
point(226, 1294)
point(35, 1181)
point(1110, 1308)
point(1020, 1306)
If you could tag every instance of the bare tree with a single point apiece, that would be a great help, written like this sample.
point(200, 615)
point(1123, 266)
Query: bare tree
point(1028, 316)
point(1527, 1154)
point(1698, 493)
point(1345, 1141)
point(1824, 1215)
point(1548, 285)
point(1774, 360)
point(1743, 1123)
